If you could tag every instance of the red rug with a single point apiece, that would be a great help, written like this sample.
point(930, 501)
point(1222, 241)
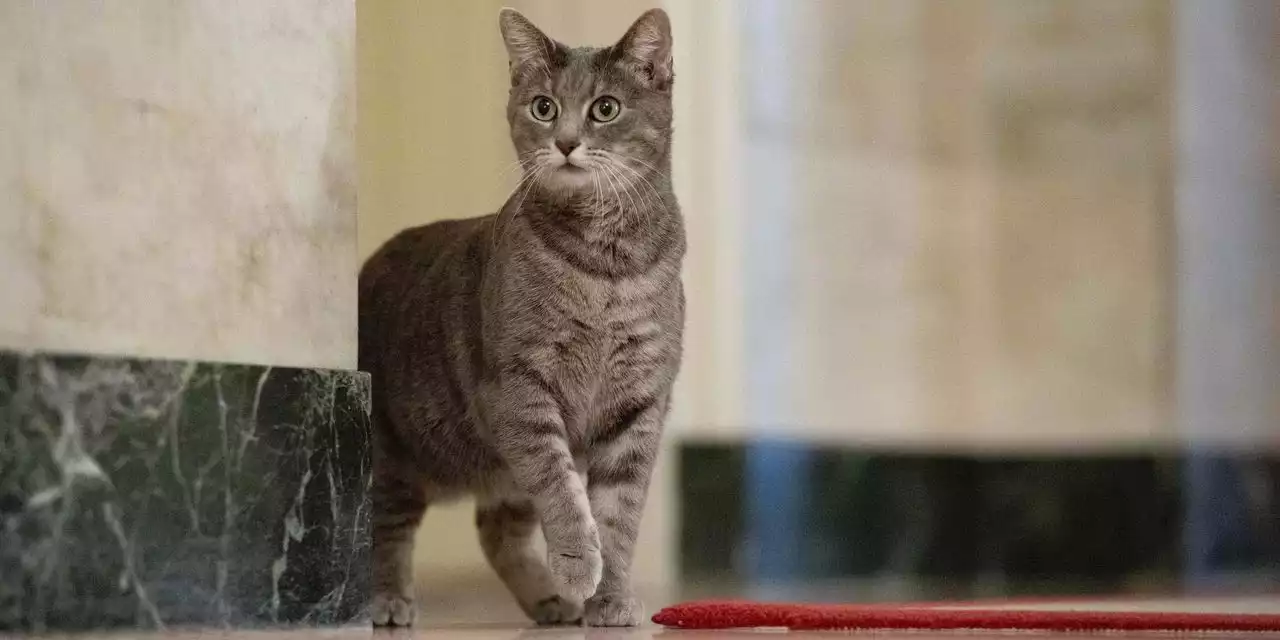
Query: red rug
point(1249, 615)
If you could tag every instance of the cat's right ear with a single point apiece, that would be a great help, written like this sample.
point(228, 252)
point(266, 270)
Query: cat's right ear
point(528, 48)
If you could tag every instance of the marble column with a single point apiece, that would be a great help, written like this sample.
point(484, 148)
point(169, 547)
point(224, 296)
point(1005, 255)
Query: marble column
point(177, 194)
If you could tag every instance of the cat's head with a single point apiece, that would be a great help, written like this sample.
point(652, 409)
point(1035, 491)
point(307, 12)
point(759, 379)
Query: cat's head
point(589, 119)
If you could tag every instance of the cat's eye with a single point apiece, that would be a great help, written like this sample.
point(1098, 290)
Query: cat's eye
point(543, 109)
point(605, 109)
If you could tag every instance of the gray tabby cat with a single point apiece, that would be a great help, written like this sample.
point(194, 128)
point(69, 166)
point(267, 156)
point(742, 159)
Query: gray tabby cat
point(528, 356)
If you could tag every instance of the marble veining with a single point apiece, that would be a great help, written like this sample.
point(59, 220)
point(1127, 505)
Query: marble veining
point(140, 493)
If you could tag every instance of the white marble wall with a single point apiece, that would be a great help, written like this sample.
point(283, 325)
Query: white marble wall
point(177, 179)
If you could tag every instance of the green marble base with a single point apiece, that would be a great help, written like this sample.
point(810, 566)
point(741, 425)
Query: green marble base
point(980, 526)
point(147, 494)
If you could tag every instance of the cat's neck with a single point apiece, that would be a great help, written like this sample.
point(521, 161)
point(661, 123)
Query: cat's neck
point(623, 207)
point(627, 236)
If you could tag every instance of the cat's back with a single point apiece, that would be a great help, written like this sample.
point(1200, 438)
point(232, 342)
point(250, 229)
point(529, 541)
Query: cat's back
point(432, 261)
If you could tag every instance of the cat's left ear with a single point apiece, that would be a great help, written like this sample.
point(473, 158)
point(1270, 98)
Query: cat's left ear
point(528, 48)
point(646, 49)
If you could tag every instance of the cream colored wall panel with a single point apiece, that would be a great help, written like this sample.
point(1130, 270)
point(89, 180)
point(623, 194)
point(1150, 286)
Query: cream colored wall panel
point(433, 131)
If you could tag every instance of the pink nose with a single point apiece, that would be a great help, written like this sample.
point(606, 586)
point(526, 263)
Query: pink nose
point(566, 146)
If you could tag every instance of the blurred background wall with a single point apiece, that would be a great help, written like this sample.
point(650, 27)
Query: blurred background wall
point(958, 226)
point(993, 228)
point(1228, 223)
point(177, 180)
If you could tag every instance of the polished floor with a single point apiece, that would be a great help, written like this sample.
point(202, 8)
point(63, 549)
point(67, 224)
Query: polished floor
point(478, 612)
point(514, 633)
point(644, 633)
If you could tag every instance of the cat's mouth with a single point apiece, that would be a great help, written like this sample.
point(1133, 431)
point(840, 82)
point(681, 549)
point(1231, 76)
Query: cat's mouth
point(568, 164)
point(570, 176)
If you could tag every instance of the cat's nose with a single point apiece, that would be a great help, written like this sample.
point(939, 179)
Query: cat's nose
point(567, 146)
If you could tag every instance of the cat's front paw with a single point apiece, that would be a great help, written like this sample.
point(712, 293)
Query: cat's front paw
point(576, 573)
point(613, 610)
point(555, 611)
point(392, 610)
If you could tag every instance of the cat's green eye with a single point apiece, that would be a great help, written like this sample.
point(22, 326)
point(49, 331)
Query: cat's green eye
point(605, 109)
point(543, 109)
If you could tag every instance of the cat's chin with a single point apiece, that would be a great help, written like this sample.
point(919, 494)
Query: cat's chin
point(568, 180)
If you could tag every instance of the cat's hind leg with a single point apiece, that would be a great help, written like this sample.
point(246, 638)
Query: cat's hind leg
point(399, 501)
point(506, 526)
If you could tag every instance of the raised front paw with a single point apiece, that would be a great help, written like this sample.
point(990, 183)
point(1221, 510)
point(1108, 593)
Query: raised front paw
point(613, 610)
point(576, 572)
point(556, 610)
point(392, 610)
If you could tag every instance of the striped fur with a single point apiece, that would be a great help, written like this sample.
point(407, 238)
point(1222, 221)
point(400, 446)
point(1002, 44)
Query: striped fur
point(527, 357)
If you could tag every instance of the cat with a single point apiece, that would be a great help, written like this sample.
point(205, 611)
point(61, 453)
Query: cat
point(527, 357)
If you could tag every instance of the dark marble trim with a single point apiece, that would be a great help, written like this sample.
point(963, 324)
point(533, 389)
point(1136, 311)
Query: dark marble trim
point(147, 493)
point(1026, 524)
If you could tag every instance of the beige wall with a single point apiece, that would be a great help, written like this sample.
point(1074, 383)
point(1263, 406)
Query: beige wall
point(177, 179)
point(433, 140)
point(974, 244)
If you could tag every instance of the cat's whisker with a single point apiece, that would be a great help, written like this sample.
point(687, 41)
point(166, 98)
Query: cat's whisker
point(533, 181)
point(632, 181)
point(626, 159)
point(640, 194)
point(529, 180)
point(622, 209)
point(526, 182)
point(599, 205)
point(602, 177)
point(623, 162)
point(644, 181)
point(608, 173)
point(626, 191)
point(635, 184)
point(611, 158)
point(522, 162)
point(609, 204)
point(652, 196)
point(519, 183)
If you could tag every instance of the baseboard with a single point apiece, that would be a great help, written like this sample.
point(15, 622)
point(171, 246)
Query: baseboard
point(949, 525)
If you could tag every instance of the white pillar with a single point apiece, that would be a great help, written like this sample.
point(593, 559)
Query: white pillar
point(1228, 221)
